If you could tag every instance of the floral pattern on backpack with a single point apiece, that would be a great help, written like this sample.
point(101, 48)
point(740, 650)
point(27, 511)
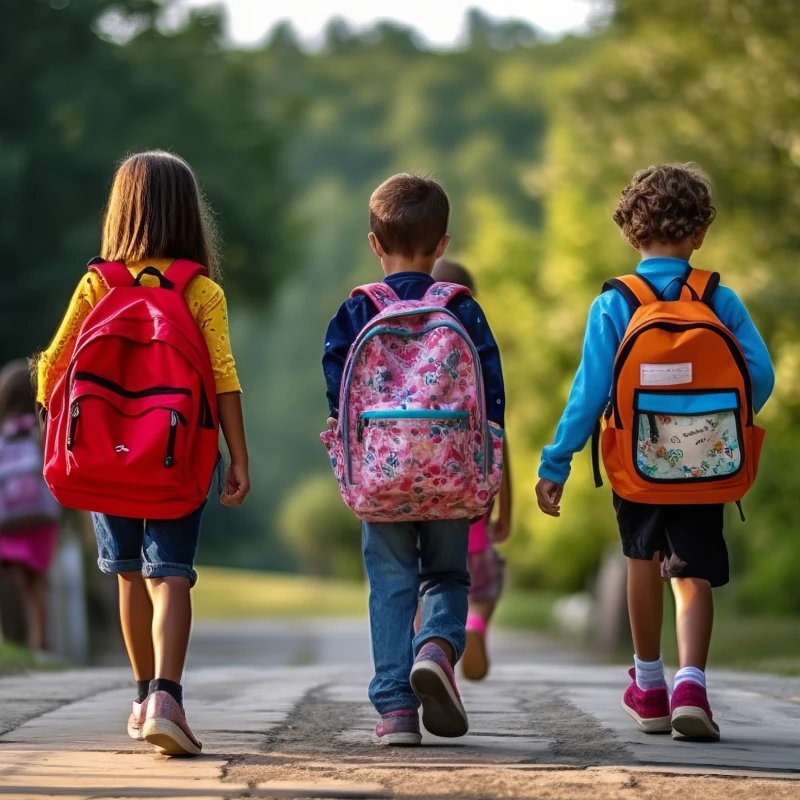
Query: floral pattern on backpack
point(413, 441)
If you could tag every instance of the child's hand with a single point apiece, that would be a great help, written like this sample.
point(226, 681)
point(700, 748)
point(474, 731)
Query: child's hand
point(500, 531)
point(237, 485)
point(548, 496)
point(332, 422)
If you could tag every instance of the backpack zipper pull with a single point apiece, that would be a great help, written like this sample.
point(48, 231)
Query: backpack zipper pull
point(651, 421)
point(169, 460)
point(73, 424)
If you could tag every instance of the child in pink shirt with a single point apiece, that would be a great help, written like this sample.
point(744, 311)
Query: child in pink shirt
point(486, 565)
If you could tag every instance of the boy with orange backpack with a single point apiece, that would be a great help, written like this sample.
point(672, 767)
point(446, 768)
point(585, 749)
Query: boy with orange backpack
point(678, 365)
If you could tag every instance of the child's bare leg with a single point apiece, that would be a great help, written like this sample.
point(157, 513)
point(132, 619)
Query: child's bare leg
point(136, 618)
point(37, 611)
point(694, 609)
point(483, 608)
point(14, 606)
point(172, 624)
point(646, 606)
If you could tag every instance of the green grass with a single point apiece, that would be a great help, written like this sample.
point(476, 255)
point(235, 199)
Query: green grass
point(16, 659)
point(242, 594)
point(526, 610)
point(753, 643)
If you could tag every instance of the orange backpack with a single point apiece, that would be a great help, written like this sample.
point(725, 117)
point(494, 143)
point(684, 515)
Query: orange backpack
point(679, 424)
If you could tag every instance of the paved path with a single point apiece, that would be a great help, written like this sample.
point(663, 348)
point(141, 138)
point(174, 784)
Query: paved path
point(294, 721)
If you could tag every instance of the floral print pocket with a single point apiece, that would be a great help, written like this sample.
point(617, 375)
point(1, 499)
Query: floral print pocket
point(684, 436)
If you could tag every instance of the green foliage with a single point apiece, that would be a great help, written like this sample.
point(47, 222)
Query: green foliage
point(76, 103)
point(321, 530)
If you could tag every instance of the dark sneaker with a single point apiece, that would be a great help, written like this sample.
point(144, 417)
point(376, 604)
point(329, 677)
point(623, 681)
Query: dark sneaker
point(165, 727)
point(434, 683)
point(691, 713)
point(398, 728)
point(649, 708)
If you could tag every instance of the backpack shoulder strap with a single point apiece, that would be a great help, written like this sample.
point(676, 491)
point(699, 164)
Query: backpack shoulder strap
point(113, 273)
point(182, 272)
point(440, 294)
point(700, 284)
point(635, 289)
point(381, 294)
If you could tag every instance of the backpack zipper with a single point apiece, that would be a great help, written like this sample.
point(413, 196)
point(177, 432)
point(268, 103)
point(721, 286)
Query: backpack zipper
point(169, 459)
point(675, 327)
point(121, 390)
point(73, 424)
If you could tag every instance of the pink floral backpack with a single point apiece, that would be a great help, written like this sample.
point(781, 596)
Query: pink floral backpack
point(413, 441)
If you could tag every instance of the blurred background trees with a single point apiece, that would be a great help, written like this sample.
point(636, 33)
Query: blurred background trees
point(533, 139)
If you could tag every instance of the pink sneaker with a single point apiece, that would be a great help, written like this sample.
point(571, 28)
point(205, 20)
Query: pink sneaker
point(166, 728)
point(136, 720)
point(434, 683)
point(398, 728)
point(649, 708)
point(691, 713)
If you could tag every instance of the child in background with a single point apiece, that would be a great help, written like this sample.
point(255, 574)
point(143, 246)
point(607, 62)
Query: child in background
point(27, 547)
point(486, 566)
point(664, 213)
point(411, 561)
point(155, 215)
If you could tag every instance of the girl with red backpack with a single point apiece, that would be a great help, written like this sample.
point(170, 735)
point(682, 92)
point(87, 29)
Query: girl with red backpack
point(137, 383)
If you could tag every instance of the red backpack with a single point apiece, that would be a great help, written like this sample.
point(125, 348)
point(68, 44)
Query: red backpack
point(133, 428)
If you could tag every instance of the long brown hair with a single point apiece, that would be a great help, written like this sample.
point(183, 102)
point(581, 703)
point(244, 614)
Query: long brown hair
point(16, 390)
point(156, 210)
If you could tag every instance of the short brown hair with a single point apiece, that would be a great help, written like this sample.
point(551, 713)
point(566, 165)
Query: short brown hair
point(156, 210)
point(452, 272)
point(666, 204)
point(408, 215)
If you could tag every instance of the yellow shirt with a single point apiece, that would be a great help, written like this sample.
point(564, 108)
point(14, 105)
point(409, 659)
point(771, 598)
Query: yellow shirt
point(206, 301)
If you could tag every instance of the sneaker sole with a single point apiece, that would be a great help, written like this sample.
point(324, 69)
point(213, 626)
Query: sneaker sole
point(654, 725)
point(690, 722)
point(398, 740)
point(169, 738)
point(135, 732)
point(442, 711)
point(475, 661)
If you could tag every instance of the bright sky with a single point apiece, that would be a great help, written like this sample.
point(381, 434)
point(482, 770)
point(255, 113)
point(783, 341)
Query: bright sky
point(439, 21)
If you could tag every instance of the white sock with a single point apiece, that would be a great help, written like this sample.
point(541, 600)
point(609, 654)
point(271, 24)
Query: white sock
point(649, 674)
point(689, 674)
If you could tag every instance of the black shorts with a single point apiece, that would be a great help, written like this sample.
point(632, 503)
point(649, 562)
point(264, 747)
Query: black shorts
point(688, 537)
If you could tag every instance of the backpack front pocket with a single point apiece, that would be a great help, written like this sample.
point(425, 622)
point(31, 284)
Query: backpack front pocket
point(687, 436)
point(135, 437)
point(413, 454)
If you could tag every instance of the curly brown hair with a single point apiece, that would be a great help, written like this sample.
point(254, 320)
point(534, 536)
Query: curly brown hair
point(666, 203)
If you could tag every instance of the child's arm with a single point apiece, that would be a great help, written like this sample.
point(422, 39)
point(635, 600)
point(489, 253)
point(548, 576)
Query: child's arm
point(502, 525)
point(51, 364)
point(587, 399)
point(474, 321)
point(734, 315)
point(342, 332)
point(231, 420)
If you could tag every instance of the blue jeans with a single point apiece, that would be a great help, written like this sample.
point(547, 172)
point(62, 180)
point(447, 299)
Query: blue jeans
point(409, 562)
point(156, 548)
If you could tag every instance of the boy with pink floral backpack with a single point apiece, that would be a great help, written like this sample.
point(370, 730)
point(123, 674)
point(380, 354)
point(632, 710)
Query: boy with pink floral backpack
point(415, 390)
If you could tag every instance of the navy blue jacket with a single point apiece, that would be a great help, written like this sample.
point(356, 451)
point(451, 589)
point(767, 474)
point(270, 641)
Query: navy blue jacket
point(356, 312)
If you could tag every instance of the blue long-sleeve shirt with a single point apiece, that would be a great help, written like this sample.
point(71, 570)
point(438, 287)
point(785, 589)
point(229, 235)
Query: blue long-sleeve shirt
point(357, 311)
point(608, 320)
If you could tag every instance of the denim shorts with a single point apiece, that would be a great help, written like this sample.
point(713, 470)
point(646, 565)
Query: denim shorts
point(156, 548)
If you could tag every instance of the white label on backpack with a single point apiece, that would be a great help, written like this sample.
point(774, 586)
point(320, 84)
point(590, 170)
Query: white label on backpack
point(665, 374)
